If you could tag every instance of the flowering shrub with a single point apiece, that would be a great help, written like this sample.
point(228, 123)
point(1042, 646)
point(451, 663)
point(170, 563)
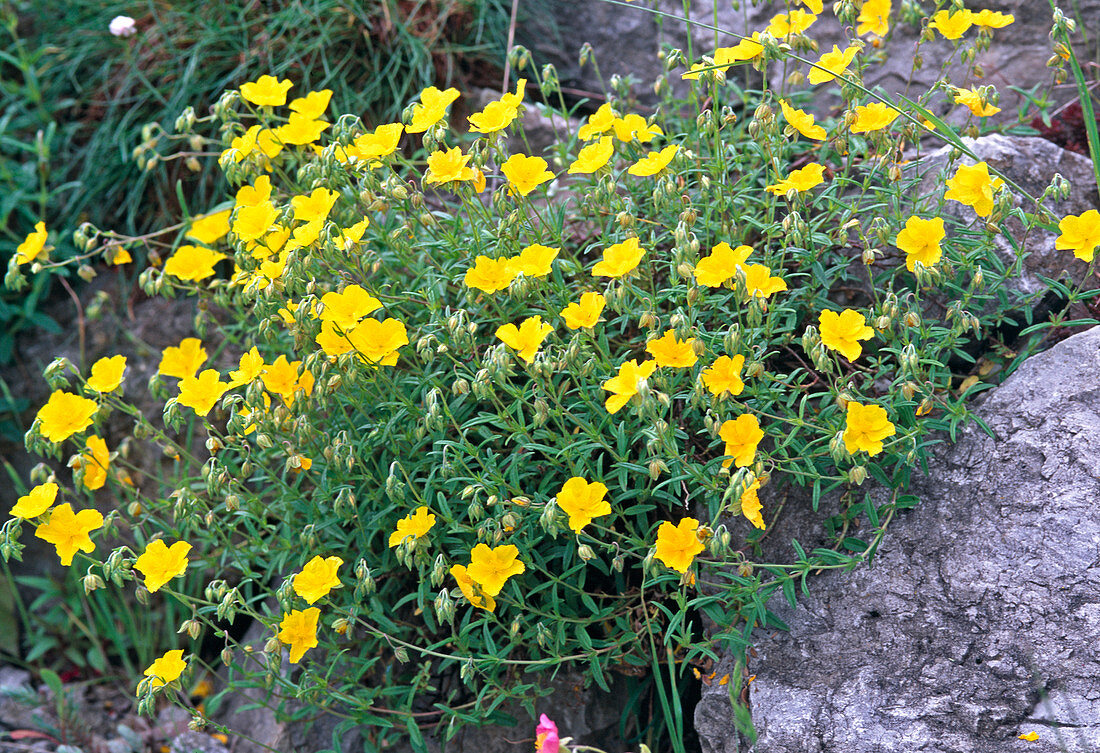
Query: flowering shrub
point(471, 412)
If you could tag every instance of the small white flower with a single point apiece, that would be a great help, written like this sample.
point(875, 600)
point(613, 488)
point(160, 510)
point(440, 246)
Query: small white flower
point(123, 26)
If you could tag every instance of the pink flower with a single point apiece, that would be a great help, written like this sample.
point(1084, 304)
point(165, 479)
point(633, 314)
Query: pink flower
point(546, 740)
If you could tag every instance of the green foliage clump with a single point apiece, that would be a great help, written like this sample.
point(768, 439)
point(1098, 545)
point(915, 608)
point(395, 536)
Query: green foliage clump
point(471, 414)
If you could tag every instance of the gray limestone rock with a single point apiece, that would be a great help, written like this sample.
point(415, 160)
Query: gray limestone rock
point(980, 617)
point(196, 742)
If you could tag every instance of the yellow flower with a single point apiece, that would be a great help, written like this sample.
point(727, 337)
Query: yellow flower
point(192, 263)
point(975, 102)
point(832, 64)
point(444, 167)
point(64, 414)
point(490, 275)
point(741, 435)
point(491, 568)
point(33, 247)
point(316, 206)
point(746, 49)
point(431, 109)
point(266, 91)
point(299, 631)
point(802, 122)
point(865, 427)
point(117, 256)
point(677, 545)
point(424, 118)
point(535, 260)
point(317, 578)
point(353, 235)
point(669, 351)
point(35, 502)
point(952, 24)
point(377, 342)
point(301, 129)
point(991, 19)
point(803, 179)
point(251, 222)
point(313, 105)
point(527, 338)
point(525, 173)
point(750, 504)
point(972, 185)
point(592, 157)
point(816, 6)
point(586, 313)
point(873, 117)
point(282, 378)
point(920, 240)
point(721, 264)
point(695, 71)
point(166, 669)
point(471, 590)
point(184, 360)
point(495, 117)
point(1033, 735)
point(68, 531)
point(795, 22)
point(415, 525)
point(601, 121)
point(258, 192)
point(251, 366)
point(268, 142)
point(106, 374)
point(624, 385)
point(302, 237)
point(210, 228)
point(633, 126)
point(94, 460)
point(515, 99)
point(874, 18)
point(619, 259)
point(382, 142)
point(654, 162)
point(842, 332)
point(760, 283)
point(244, 144)
point(160, 563)
point(724, 375)
point(346, 308)
point(1081, 233)
point(201, 392)
point(333, 341)
point(582, 501)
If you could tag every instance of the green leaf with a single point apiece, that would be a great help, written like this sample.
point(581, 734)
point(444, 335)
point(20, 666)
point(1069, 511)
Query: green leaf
point(53, 682)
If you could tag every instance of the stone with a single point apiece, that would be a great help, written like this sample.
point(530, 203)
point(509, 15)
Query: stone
point(196, 742)
point(979, 618)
